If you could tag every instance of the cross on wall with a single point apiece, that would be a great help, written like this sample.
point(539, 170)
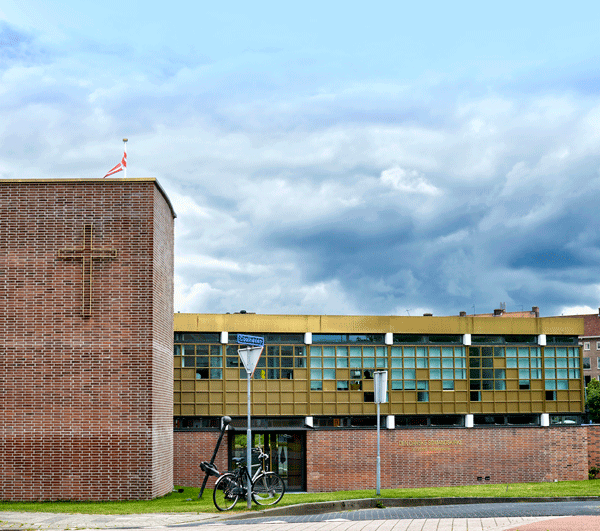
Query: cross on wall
point(87, 255)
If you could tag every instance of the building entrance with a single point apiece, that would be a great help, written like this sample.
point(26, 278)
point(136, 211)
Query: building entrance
point(286, 454)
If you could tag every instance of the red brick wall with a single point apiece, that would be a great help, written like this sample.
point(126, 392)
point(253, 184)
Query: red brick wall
point(83, 400)
point(191, 448)
point(444, 457)
point(593, 440)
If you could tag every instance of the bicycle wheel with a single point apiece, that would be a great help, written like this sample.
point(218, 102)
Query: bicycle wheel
point(268, 489)
point(226, 492)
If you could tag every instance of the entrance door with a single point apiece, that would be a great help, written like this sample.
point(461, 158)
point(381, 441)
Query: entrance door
point(286, 454)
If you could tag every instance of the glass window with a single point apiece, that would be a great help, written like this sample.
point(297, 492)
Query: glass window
point(586, 345)
point(586, 363)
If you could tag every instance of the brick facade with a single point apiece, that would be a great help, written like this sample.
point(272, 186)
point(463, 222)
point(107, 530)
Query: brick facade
point(436, 457)
point(190, 449)
point(85, 383)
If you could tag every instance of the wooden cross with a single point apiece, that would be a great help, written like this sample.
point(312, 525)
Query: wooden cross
point(87, 254)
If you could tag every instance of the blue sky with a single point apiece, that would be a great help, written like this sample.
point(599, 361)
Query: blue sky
point(330, 157)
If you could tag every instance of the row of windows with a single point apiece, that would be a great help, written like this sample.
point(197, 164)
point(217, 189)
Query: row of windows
point(586, 345)
point(401, 421)
point(487, 365)
point(414, 339)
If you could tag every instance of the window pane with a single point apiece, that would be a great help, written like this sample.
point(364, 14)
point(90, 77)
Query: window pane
point(409, 374)
point(409, 385)
point(421, 363)
point(316, 385)
point(329, 363)
point(409, 362)
point(435, 374)
point(342, 362)
point(448, 385)
point(328, 374)
point(316, 374)
point(342, 385)
point(369, 362)
point(434, 363)
point(397, 385)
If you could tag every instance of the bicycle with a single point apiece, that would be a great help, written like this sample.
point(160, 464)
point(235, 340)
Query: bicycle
point(267, 488)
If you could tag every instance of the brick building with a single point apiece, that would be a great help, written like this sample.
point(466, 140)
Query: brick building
point(590, 342)
point(86, 339)
point(470, 398)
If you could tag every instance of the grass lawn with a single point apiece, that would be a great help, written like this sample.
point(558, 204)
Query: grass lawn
point(188, 502)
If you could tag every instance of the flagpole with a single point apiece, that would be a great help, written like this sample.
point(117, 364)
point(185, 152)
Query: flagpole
point(125, 151)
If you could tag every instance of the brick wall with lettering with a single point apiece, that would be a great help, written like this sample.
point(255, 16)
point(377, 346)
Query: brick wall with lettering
point(346, 459)
point(83, 398)
point(436, 457)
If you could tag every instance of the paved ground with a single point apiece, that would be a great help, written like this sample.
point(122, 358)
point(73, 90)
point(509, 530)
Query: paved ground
point(553, 516)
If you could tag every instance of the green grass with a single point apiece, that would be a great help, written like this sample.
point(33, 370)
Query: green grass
point(178, 502)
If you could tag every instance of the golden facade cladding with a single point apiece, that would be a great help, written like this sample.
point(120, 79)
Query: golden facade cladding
point(336, 380)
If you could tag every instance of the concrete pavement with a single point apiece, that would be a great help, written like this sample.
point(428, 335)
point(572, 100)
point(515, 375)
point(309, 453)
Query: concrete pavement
point(352, 515)
point(212, 522)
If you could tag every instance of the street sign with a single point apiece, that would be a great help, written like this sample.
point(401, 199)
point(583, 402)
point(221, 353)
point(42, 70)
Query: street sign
point(380, 386)
point(255, 341)
point(250, 357)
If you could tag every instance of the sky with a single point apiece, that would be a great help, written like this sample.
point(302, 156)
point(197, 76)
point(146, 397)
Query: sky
point(352, 158)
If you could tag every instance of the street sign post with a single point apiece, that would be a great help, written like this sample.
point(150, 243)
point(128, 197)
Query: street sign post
point(380, 396)
point(249, 356)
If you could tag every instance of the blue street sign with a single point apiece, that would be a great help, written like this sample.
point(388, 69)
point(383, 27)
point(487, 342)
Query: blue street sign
point(243, 339)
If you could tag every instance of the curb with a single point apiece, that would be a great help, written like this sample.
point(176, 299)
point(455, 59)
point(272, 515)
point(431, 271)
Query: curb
point(374, 503)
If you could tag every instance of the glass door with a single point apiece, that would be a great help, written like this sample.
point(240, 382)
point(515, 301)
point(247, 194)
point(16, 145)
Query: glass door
point(286, 454)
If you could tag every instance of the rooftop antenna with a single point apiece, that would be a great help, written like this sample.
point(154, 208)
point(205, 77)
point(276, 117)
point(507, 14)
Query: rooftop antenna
point(408, 312)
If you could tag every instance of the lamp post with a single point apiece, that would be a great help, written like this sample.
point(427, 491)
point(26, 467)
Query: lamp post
point(380, 396)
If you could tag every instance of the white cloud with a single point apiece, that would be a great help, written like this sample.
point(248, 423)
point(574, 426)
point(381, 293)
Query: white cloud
point(410, 181)
point(578, 310)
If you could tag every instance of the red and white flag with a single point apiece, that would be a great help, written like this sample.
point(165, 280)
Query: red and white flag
point(122, 166)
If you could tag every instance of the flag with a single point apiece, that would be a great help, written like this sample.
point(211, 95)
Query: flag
point(122, 166)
